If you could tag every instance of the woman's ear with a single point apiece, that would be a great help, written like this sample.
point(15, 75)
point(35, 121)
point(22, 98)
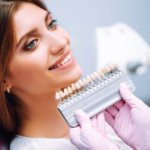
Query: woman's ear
point(7, 85)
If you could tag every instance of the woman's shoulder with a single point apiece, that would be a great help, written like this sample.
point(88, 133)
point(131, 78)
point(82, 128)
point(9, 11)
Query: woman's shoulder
point(25, 143)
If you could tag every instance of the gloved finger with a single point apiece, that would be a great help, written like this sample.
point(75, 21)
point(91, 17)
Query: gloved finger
point(123, 120)
point(109, 119)
point(94, 121)
point(101, 122)
point(113, 111)
point(119, 104)
point(83, 119)
point(74, 134)
point(128, 97)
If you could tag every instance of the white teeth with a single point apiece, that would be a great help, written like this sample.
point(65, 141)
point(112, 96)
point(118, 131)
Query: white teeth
point(107, 69)
point(69, 90)
point(69, 56)
point(85, 81)
point(92, 76)
point(62, 62)
point(57, 95)
point(103, 70)
point(62, 94)
point(77, 85)
point(115, 65)
point(81, 83)
point(73, 87)
point(65, 91)
point(65, 60)
point(96, 74)
point(100, 73)
point(88, 79)
point(111, 66)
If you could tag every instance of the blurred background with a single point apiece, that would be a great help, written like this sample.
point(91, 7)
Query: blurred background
point(104, 31)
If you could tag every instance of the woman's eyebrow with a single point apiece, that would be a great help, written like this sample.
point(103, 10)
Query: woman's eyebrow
point(27, 35)
point(32, 31)
point(47, 15)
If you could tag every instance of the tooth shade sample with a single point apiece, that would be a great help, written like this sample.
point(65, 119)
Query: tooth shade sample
point(107, 69)
point(115, 65)
point(62, 94)
point(85, 81)
point(92, 76)
point(65, 91)
point(88, 79)
point(103, 70)
point(96, 74)
point(73, 87)
point(100, 73)
point(111, 66)
point(81, 83)
point(69, 90)
point(77, 85)
point(57, 95)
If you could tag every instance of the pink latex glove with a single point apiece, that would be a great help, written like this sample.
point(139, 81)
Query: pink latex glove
point(90, 135)
point(130, 119)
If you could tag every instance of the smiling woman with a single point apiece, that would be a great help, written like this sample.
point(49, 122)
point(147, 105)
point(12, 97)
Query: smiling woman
point(35, 62)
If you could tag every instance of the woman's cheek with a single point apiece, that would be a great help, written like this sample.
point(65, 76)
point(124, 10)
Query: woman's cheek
point(27, 68)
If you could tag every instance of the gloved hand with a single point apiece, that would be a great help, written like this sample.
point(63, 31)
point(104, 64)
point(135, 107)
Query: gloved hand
point(130, 119)
point(90, 135)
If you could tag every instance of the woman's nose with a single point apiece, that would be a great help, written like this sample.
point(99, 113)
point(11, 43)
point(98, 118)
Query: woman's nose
point(56, 43)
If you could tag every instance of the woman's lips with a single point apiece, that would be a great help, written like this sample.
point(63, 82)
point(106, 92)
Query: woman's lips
point(68, 64)
point(68, 51)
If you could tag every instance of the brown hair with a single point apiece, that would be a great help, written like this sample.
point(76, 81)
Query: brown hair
point(8, 112)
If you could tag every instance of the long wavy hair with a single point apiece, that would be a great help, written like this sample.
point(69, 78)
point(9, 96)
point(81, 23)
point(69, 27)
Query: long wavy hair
point(8, 102)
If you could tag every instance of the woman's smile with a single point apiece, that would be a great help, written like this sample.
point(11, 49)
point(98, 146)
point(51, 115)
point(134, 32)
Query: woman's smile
point(65, 61)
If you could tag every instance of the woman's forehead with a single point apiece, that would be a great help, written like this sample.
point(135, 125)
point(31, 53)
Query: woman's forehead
point(28, 16)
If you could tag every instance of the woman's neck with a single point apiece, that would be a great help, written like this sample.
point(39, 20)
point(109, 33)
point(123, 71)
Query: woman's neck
point(40, 117)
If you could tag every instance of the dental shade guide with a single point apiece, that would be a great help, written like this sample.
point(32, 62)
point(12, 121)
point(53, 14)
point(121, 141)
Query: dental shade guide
point(95, 94)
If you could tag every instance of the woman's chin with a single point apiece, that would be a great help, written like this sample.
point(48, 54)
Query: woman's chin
point(73, 77)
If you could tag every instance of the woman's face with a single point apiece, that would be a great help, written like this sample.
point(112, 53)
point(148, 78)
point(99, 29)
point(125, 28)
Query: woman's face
point(41, 46)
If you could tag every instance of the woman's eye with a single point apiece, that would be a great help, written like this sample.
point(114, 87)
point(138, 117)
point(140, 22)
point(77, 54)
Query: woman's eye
point(52, 24)
point(31, 45)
